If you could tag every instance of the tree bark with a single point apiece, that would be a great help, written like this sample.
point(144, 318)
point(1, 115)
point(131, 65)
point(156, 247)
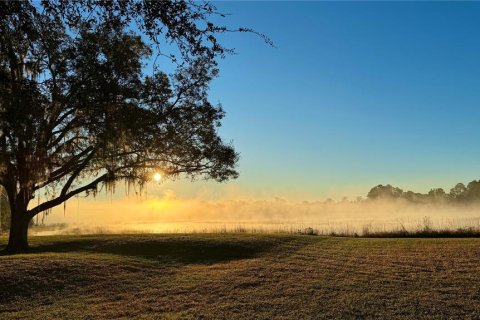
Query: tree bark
point(18, 238)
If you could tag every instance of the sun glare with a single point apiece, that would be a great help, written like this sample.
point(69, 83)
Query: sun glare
point(157, 177)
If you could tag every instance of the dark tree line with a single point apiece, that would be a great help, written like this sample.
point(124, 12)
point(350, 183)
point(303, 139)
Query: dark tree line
point(458, 194)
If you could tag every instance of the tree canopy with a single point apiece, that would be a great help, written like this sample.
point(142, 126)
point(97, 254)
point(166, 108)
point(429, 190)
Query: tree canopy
point(79, 108)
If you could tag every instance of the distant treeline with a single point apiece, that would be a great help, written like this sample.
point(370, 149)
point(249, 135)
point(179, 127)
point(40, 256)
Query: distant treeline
point(458, 194)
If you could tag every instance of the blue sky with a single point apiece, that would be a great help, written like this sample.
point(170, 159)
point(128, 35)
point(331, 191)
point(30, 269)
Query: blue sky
point(353, 95)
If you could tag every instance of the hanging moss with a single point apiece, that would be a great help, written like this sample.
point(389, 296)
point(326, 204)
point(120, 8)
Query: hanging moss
point(4, 211)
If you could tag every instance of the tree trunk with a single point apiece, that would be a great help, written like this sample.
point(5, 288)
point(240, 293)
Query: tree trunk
point(18, 239)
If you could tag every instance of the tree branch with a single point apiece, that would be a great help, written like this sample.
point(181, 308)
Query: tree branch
point(76, 173)
point(62, 198)
point(66, 168)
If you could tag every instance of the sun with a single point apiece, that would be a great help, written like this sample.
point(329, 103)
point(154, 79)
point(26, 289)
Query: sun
point(157, 177)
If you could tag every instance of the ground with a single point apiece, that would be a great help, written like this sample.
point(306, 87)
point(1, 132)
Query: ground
point(241, 276)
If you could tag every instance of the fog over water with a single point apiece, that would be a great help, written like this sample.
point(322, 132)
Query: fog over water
point(169, 213)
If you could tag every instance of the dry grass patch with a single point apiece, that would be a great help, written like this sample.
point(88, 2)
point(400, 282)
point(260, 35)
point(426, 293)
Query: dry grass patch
point(243, 276)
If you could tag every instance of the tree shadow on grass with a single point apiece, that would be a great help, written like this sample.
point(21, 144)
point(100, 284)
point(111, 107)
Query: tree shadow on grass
point(68, 265)
point(188, 250)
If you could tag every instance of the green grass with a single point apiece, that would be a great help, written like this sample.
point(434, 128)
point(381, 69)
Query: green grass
point(241, 276)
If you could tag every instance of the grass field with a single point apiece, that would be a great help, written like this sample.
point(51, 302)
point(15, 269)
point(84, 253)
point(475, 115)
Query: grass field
point(241, 276)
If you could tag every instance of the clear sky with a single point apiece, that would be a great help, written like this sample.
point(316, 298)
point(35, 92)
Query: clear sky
point(353, 95)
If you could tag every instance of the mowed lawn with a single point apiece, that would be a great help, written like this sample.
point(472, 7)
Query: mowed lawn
point(241, 276)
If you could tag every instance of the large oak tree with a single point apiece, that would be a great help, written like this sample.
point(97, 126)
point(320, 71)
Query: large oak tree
point(84, 103)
